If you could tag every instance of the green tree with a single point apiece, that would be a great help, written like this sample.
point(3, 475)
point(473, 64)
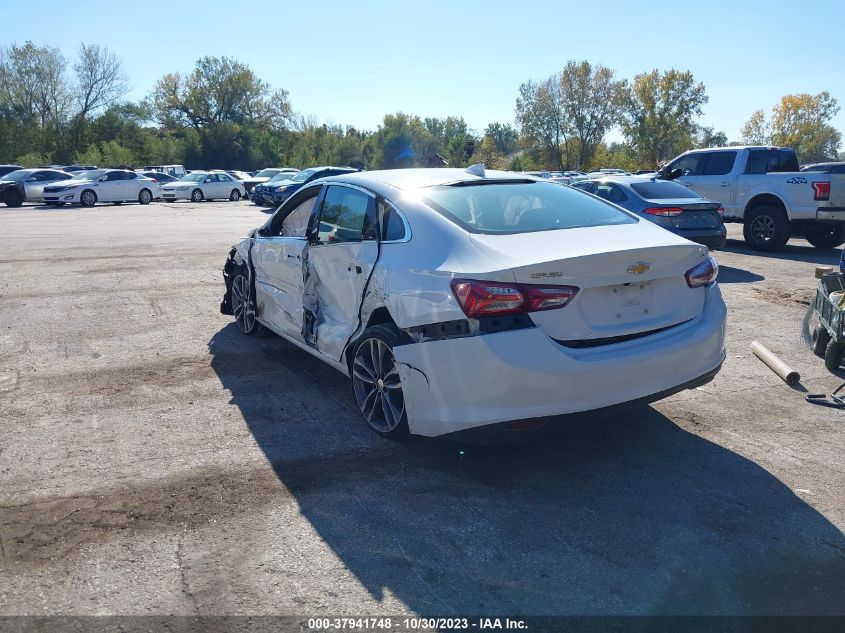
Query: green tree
point(756, 131)
point(589, 96)
point(802, 121)
point(504, 137)
point(218, 91)
point(541, 117)
point(708, 137)
point(89, 156)
point(658, 113)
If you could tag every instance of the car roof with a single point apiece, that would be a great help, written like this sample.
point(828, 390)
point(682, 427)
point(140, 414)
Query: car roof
point(415, 178)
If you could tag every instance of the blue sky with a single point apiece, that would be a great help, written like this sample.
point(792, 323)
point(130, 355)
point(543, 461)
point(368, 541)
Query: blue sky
point(352, 62)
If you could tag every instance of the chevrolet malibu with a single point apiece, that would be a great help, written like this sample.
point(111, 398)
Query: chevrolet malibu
point(461, 300)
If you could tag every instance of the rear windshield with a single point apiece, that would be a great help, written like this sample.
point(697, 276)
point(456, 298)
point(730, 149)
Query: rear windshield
point(662, 190)
point(521, 207)
point(267, 173)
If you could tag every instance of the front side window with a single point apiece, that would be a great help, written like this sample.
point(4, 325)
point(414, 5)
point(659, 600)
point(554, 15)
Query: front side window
point(344, 217)
point(689, 164)
point(223, 178)
point(520, 207)
point(719, 163)
point(295, 223)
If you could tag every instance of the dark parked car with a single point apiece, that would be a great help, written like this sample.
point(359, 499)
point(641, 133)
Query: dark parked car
point(27, 185)
point(262, 194)
point(76, 168)
point(160, 177)
point(837, 167)
point(666, 203)
point(264, 175)
point(5, 169)
point(283, 190)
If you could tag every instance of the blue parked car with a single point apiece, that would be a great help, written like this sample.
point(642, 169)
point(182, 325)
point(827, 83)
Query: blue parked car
point(282, 190)
point(666, 203)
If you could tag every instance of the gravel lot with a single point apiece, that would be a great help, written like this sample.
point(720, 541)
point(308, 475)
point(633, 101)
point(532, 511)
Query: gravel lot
point(154, 461)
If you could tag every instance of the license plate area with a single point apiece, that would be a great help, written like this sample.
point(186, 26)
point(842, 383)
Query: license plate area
point(695, 220)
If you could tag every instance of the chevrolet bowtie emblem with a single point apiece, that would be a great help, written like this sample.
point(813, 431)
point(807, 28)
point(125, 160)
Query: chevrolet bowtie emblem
point(638, 268)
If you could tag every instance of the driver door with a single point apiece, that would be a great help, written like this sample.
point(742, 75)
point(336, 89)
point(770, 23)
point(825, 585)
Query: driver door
point(338, 265)
point(277, 257)
point(690, 168)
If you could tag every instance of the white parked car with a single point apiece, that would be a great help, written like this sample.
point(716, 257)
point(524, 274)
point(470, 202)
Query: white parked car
point(102, 185)
point(204, 185)
point(458, 299)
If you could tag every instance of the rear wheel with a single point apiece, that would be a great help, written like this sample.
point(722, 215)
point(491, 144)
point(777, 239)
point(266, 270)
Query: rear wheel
point(145, 196)
point(823, 235)
point(376, 383)
point(833, 355)
point(821, 337)
point(88, 198)
point(235, 195)
point(196, 195)
point(242, 299)
point(766, 228)
point(13, 198)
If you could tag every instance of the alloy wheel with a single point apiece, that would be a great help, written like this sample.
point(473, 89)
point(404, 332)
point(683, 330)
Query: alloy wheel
point(378, 390)
point(88, 198)
point(145, 198)
point(763, 229)
point(242, 304)
point(196, 195)
point(235, 195)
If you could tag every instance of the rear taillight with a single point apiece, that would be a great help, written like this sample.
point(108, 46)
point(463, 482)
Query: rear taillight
point(664, 211)
point(822, 190)
point(721, 210)
point(703, 274)
point(490, 298)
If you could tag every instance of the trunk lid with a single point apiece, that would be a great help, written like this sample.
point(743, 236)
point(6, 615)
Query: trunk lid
point(697, 213)
point(631, 277)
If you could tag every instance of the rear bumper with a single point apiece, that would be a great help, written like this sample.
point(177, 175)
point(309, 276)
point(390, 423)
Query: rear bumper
point(830, 214)
point(711, 238)
point(465, 383)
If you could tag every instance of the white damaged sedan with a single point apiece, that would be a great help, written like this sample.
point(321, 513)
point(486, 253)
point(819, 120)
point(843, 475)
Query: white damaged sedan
point(459, 300)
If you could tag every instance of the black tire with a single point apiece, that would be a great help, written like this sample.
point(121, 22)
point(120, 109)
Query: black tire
point(145, 196)
point(13, 198)
point(766, 228)
point(380, 401)
point(821, 337)
point(823, 235)
point(245, 317)
point(235, 195)
point(196, 195)
point(88, 198)
point(833, 355)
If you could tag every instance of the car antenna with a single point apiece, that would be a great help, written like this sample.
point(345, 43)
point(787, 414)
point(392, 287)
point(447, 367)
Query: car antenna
point(476, 170)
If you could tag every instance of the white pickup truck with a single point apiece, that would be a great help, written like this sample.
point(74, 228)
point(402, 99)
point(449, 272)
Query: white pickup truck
point(762, 188)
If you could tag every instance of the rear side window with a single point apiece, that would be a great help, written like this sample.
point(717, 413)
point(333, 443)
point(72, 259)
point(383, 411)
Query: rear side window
point(719, 163)
point(662, 190)
point(520, 207)
point(765, 161)
point(392, 226)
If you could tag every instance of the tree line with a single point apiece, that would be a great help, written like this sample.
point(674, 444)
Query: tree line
point(222, 115)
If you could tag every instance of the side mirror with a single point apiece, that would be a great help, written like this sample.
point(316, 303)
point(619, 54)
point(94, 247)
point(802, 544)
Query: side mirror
point(30, 179)
point(207, 180)
point(102, 178)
